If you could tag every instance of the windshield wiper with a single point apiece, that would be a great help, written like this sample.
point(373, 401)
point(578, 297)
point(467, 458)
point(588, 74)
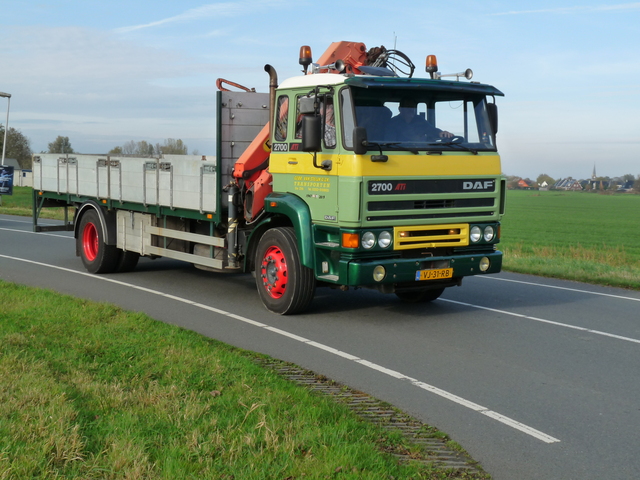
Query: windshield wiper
point(455, 144)
point(393, 146)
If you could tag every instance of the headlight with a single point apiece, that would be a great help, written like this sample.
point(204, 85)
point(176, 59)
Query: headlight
point(384, 240)
point(368, 240)
point(475, 234)
point(489, 233)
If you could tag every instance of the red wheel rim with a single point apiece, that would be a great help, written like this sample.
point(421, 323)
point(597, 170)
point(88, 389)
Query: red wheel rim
point(90, 242)
point(273, 271)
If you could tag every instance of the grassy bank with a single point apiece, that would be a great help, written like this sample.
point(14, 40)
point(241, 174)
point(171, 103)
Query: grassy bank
point(581, 236)
point(90, 391)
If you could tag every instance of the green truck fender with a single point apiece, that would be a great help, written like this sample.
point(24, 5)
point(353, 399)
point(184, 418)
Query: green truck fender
point(285, 209)
point(107, 221)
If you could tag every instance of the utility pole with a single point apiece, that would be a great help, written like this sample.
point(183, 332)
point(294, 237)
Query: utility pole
point(6, 130)
point(6, 125)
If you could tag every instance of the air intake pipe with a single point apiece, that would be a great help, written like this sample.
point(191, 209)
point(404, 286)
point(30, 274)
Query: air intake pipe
point(273, 84)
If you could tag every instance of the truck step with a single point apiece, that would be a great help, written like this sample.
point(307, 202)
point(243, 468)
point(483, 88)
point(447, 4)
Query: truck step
point(329, 278)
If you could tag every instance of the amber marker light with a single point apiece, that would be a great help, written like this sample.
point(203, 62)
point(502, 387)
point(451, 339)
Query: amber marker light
point(305, 57)
point(273, 204)
point(350, 240)
point(431, 65)
point(209, 216)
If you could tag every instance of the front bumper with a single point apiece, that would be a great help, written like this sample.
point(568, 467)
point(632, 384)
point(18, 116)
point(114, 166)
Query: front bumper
point(359, 272)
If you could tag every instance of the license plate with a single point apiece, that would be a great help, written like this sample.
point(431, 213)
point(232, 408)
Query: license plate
point(434, 274)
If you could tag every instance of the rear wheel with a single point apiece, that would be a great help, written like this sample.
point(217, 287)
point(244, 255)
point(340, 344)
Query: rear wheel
point(127, 261)
point(417, 296)
point(97, 256)
point(284, 284)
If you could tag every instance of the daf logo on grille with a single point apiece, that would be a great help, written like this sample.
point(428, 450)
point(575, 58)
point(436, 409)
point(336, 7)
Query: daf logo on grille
point(486, 185)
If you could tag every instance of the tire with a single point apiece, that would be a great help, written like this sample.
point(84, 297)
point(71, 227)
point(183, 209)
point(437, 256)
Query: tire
point(97, 256)
point(420, 296)
point(127, 261)
point(285, 285)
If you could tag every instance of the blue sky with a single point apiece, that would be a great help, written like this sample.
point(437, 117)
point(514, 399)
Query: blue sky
point(103, 73)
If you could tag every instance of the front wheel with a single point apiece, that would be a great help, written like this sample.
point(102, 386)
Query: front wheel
point(284, 284)
point(97, 256)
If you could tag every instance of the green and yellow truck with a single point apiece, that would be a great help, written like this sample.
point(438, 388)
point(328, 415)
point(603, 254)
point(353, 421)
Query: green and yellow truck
point(353, 175)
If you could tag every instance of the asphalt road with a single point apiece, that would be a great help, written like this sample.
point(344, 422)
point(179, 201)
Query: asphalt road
point(535, 378)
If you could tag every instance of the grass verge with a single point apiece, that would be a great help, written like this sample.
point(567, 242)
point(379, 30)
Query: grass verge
point(88, 390)
point(20, 203)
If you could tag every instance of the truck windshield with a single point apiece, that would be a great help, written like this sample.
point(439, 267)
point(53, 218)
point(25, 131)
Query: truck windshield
point(423, 120)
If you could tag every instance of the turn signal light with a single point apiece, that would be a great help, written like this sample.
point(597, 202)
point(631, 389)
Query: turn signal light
point(350, 240)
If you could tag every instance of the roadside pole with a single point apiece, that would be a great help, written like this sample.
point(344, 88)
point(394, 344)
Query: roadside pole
point(6, 129)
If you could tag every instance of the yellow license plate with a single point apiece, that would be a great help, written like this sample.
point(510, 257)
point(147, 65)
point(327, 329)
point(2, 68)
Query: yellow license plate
point(434, 274)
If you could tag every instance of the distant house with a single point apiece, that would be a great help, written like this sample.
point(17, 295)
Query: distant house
point(626, 186)
point(525, 184)
point(12, 162)
point(568, 184)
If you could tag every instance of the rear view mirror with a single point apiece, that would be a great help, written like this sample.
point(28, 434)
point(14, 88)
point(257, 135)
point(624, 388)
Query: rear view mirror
point(492, 110)
point(359, 140)
point(311, 133)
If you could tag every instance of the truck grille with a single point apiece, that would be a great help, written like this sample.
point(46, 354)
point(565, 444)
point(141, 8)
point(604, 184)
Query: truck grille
point(454, 235)
point(429, 204)
point(386, 200)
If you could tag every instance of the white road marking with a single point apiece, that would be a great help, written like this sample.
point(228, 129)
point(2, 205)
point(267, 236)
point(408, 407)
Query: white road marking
point(542, 320)
point(379, 368)
point(36, 233)
point(559, 288)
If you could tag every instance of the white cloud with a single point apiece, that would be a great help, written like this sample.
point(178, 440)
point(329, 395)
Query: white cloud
point(226, 9)
point(576, 9)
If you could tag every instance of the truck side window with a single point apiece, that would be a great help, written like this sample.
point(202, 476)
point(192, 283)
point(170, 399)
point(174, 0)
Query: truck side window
point(298, 120)
point(348, 121)
point(282, 118)
point(329, 124)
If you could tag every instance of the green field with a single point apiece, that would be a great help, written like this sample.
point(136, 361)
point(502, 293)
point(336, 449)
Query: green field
point(582, 236)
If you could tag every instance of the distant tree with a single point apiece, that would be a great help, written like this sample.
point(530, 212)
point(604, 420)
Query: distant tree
point(61, 145)
point(636, 185)
point(543, 177)
point(146, 149)
point(18, 147)
point(115, 151)
point(141, 148)
point(172, 147)
point(129, 148)
point(629, 177)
